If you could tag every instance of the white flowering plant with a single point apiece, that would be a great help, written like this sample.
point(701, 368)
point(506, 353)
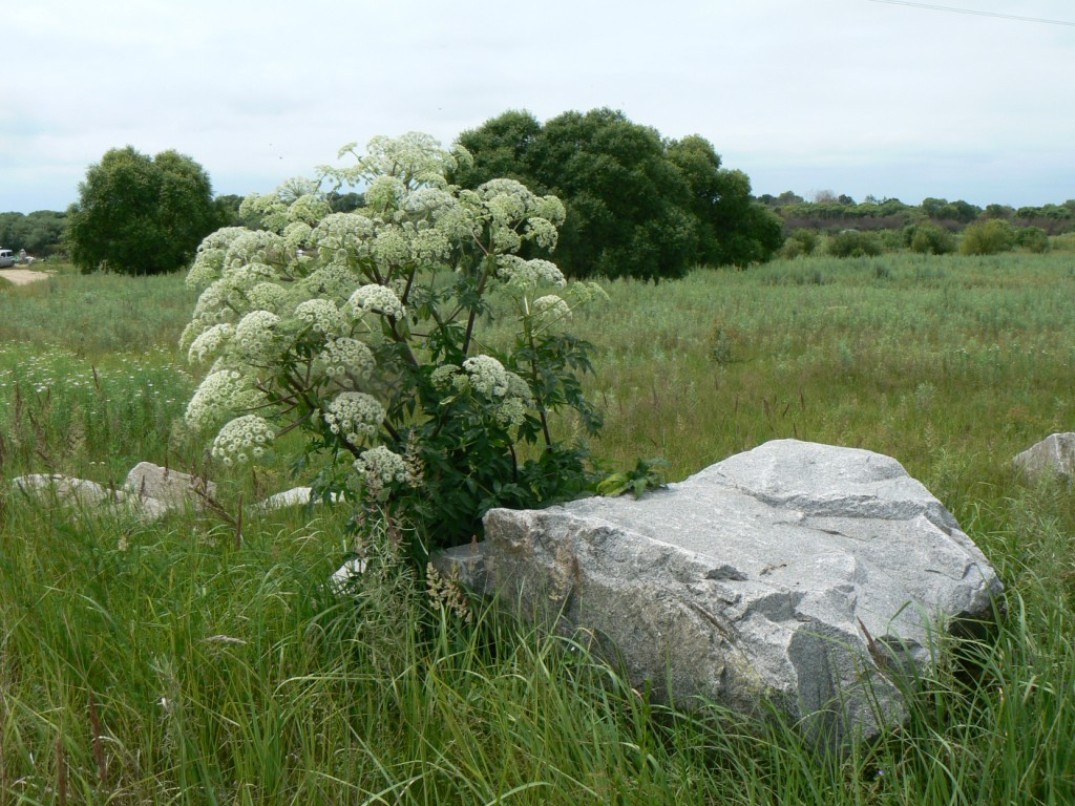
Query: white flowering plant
point(367, 331)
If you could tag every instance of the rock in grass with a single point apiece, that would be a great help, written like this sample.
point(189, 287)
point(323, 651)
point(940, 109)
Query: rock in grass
point(65, 491)
point(1054, 455)
point(170, 487)
point(808, 576)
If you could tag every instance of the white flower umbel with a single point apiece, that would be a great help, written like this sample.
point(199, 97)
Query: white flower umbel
point(355, 416)
point(550, 310)
point(391, 246)
point(346, 356)
point(256, 336)
point(268, 297)
point(243, 439)
point(380, 468)
point(221, 395)
point(376, 298)
point(487, 375)
point(526, 275)
point(343, 234)
point(443, 376)
point(209, 261)
point(321, 316)
point(210, 343)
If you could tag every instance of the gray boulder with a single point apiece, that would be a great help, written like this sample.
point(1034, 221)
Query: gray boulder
point(1053, 455)
point(149, 492)
point(170, 487)
point(808, 576)
point(65, 491)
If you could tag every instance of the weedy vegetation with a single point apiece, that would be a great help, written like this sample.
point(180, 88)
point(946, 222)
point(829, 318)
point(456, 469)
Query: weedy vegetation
point(171, 663)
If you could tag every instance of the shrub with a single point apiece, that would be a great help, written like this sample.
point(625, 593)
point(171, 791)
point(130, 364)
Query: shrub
point(987, 238)
point(801, 242)
point(852, 243)
point(927, 239)
point(1033, 239)
point(368, 332)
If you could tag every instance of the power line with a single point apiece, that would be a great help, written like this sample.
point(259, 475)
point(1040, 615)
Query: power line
point(934, 7)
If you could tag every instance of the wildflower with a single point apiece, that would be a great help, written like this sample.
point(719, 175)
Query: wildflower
point(376, 298)
point(209, 261)
point(384, 193)
point(528, 274)
point(380, 468)
point(220, 395)
point(321, 316)
point(297, 235)
point(443, 376)
point(308, 209)
point(391, 246)
point(550, 309)
point(268, 297)
point(210, 342)
point(342, 233)
point(256, 335)
point(354, 416)
point(243, 439)
point(346, 356)
point(487, 375)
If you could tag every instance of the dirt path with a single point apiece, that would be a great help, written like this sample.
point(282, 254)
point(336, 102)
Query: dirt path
point(22, 276)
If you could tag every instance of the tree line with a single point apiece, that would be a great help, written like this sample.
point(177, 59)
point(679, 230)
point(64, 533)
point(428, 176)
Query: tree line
point(638, 205)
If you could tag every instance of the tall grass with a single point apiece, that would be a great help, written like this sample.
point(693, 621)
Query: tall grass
point(166, 664)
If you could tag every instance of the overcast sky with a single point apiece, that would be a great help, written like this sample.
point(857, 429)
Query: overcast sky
point(860, 97)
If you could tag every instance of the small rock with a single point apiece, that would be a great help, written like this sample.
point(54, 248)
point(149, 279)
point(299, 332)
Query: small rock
point(1055, 454)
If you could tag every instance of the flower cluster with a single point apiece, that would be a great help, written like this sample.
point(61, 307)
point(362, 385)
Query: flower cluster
point(377, 298)
point(380, 468)
point(220, 395)
point(526, 275)
point(256, 336)
point(243, 439)
point(487, 375)
point(210, 343)
point(346, 356)
point(311, 319)
point(550, 310)
point(321, 315)
point(354, 416)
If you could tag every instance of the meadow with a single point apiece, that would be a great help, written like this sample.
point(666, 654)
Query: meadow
point(172, 663)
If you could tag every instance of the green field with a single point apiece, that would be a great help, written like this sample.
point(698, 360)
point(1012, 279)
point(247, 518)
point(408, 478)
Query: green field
point(169, 664)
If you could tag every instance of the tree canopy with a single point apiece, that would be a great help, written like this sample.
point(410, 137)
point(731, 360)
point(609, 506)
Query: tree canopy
point(138, 215)
point(637, 205)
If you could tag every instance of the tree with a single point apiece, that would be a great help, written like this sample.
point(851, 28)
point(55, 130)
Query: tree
point(137, 215)
point(628, 207)
point(39, 233)
point(636, 205)
point(733, 228)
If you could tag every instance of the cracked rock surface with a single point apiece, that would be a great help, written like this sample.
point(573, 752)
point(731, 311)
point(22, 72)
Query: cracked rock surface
point(805, 575)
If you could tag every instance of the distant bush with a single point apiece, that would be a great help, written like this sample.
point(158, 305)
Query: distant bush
point(1033, 239)
point(801, 242)
point(852, 243)
point(928, 239)
point(987, 238)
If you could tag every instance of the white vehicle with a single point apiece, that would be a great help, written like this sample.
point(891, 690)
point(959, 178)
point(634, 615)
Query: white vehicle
point(7, 258)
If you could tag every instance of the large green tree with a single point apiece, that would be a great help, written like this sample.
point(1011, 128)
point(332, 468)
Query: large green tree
point(636, 205)
point(733, 227)
point(140, 215)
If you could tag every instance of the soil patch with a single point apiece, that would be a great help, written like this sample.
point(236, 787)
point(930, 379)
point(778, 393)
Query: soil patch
point(23, 276)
